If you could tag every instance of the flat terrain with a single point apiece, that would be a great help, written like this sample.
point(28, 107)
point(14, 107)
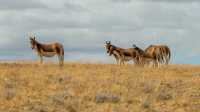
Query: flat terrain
point(28, 87)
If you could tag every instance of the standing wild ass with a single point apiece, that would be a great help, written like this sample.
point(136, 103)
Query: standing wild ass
point(143, 57)
point(156, 54)
point(160, 53)
point(121, 55)
point(48, 50)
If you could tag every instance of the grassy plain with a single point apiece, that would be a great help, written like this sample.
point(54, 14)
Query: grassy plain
point(29, 87)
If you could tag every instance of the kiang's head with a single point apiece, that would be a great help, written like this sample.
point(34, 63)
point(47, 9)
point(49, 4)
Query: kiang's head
point(139, 50)
point(107, 46)
point(33, 42)
point(134, 46)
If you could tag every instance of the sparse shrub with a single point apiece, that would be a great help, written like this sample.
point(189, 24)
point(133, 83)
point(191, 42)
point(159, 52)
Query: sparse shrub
point(114, 99)
point(58, 79)
point(164, 95)
point(100, 98)
point(60, 97)
point(147, 88)
point(71, 109)
point(146, 104)
point(9, 90)
point(107, 98)
point(130, 101)
point(9, 94)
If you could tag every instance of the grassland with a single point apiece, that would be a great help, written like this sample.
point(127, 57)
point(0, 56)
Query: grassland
point(28, 87)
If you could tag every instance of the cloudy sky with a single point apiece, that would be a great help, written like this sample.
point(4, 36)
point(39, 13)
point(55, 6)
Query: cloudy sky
point(83, 26)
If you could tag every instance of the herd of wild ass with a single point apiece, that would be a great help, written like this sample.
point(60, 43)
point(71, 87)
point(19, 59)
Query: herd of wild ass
point(152, 55)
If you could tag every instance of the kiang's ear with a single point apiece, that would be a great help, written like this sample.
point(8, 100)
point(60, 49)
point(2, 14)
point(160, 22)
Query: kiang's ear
point(34, 38)
point(134, 46)
point(109, 42)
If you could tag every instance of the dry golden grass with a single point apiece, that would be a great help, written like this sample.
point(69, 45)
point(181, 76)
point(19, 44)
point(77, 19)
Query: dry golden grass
point(28, 87)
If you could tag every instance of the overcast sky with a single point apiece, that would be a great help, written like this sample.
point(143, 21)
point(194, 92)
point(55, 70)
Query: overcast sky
point(85, 25)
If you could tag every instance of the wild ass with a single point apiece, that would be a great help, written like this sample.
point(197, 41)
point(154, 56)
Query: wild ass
point(160, 53)
point(115, 54)
point(121, 55)
point(48, 50)
point(143, 57)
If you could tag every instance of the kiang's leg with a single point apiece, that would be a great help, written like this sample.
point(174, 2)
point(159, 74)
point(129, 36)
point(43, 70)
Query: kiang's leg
point(41, 59)
point(60, 60)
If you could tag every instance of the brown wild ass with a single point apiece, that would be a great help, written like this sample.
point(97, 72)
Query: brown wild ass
point(48, 50)
point(160, 53)
point(155, 54)
point(121, 55)
point(143, 57)
point(115, 54)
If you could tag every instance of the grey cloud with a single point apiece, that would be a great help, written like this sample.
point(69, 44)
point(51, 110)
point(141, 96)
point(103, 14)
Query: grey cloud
point(36, 21)
point(169, 1)
point(173, 1)
point(170, 16)
point(20, 4)
point(125, 1)
point(74, 7)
